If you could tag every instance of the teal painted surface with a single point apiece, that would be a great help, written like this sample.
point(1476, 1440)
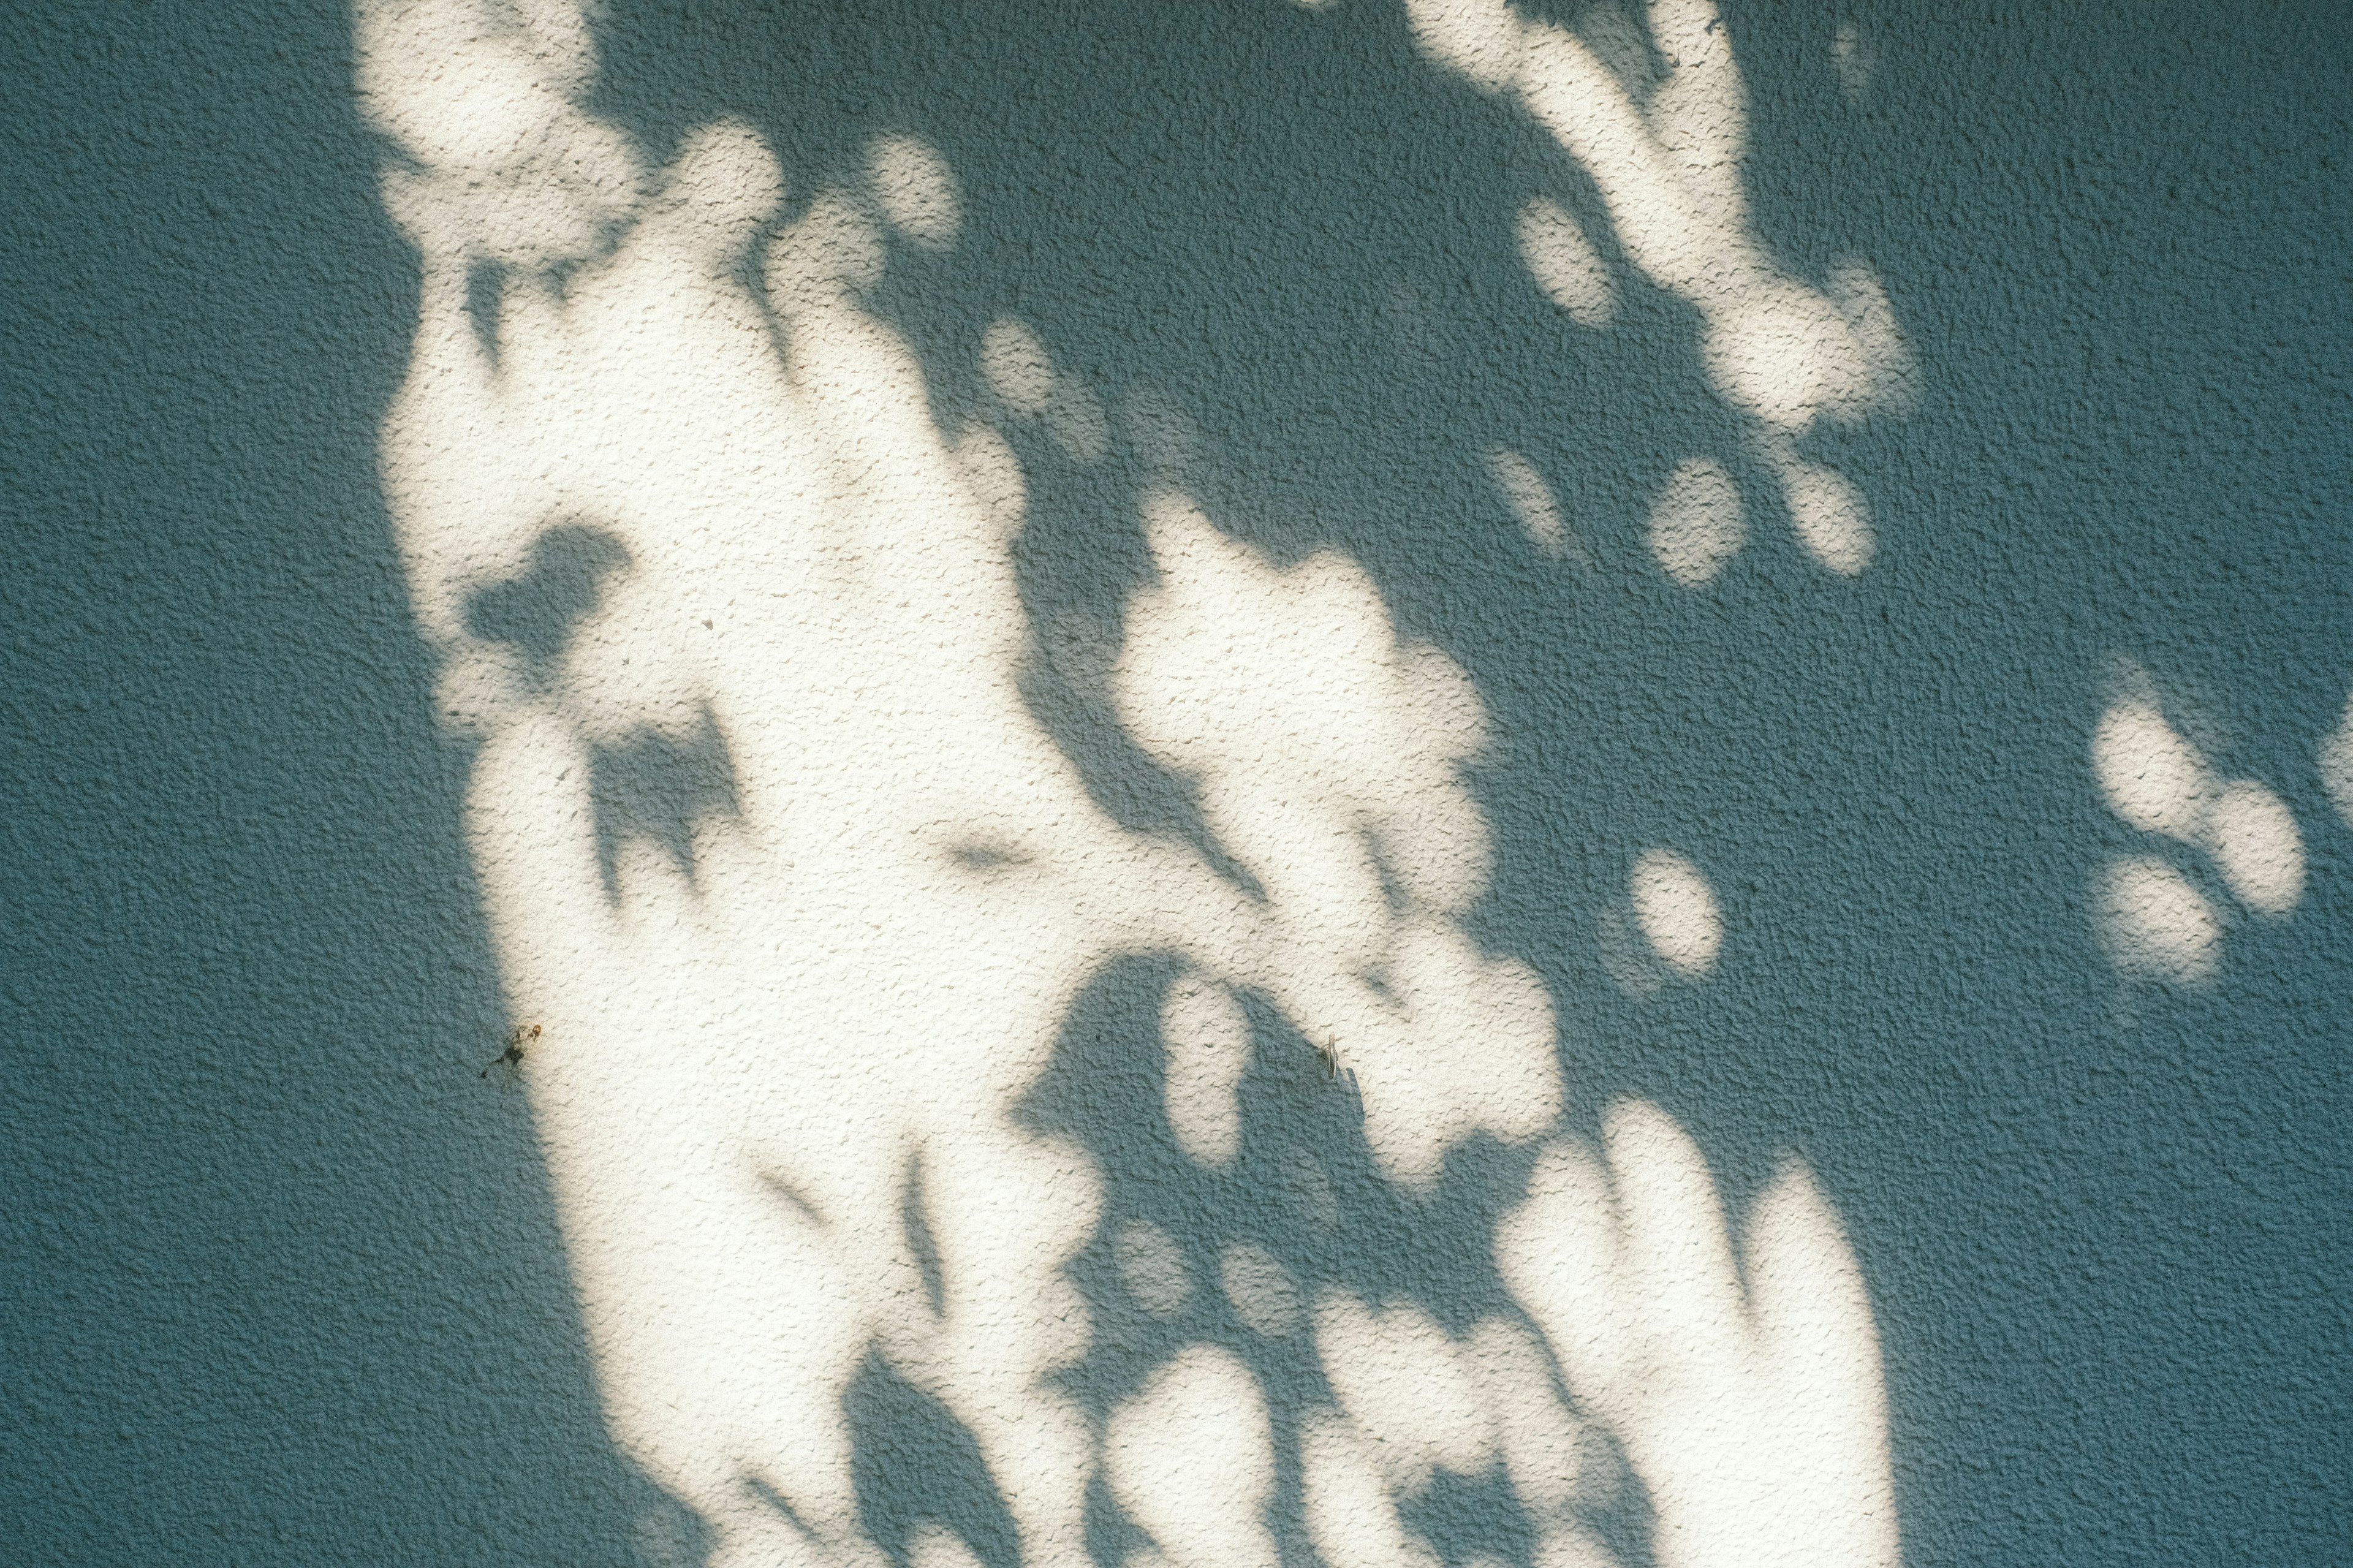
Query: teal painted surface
point(281, 1281)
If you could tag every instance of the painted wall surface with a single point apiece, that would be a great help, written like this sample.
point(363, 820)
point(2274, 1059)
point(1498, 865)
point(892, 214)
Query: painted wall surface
point(1396, 782)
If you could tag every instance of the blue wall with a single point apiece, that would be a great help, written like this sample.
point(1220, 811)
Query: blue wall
point(280, 1278)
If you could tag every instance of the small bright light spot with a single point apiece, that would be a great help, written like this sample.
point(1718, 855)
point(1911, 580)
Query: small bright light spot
point(916, 191)
point(1208, 1037)
point(1532, 502)
point(2153, 922)
point(1530, 498)
point(1832, 521)
point(1782, 354)
point(2153, 778)
point(1565, 264)
point(1677, 912)
point(2254, 839)
point(2336, 765)
point(1696, 525)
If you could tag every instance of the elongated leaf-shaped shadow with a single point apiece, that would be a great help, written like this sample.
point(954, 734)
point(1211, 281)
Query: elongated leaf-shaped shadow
point(917, 1465)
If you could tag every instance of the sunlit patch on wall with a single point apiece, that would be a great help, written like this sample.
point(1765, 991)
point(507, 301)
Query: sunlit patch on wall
point(1660, 123)
point(1891, 384)
point(831, 249)
point(1422, 1417)
point(1191, 1459)
point(1477, 39)
point(1676, 912)
point(1613, 31)
point(934, 1546)
point(2336, 765)
point(994, 472)
point(1697, 523)
point(1533, 503)
point(1829, 513)
point(1742, 1385)
point(1406, 1384)
point(850, 887)
point(1208, 1037)
point(508, 166)
point(2154, 923)
point(1328, 756)
point(2152, 776)
point(1669, 927)
point(2152, 920)
point(1565, 265)
point(2255, 845)
point(915, 190)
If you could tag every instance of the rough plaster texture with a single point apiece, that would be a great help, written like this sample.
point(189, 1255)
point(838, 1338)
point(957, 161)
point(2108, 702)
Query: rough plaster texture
point(283, 1278)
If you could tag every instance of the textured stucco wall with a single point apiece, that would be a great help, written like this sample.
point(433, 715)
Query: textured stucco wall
point(281, 1280)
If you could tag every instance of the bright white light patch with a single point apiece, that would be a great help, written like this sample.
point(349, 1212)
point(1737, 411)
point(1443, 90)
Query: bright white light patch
point(1477, 39)
point(1407, 1386)
point(1677, 912)
point(2153, 922)
point(1565, 264)
point(2256, 847)
point(2153, 778)
point(1191, 1459)
point(1208, 1037)
point(1743, 1386)
point(1832, 518)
